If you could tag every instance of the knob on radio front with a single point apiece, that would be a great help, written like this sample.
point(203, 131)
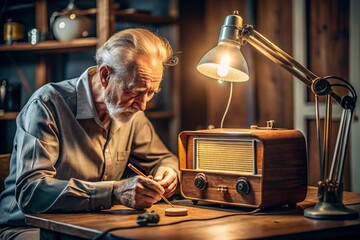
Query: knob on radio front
point(242, 186)
point(200, 181)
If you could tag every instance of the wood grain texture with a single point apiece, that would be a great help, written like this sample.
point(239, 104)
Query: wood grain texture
point(328, 45)
point(105, 21)
point(4, 169)
point(280, 175)
point(274, 85)
point(242, 112)
point(279, 223)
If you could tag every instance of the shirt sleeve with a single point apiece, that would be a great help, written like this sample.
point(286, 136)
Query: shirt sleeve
point(148, 151)
point(37, 152)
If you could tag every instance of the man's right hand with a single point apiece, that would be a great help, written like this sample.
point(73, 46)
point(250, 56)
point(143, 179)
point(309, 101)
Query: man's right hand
point(137, 192)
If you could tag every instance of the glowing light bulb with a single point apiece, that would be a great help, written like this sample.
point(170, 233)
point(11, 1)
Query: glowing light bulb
point(223, 68)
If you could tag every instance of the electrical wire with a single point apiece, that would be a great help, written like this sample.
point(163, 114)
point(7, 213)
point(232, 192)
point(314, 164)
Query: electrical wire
point(228, 105)
point(103, 234)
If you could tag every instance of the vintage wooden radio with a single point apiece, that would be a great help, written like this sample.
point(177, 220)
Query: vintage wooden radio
point(256, 168)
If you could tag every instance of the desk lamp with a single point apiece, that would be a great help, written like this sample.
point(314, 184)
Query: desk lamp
point(226, 63)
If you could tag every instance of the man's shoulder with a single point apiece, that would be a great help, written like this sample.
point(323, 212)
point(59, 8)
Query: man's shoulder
point(51, 91)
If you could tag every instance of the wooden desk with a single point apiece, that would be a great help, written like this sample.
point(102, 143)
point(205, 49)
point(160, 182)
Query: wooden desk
point(280, 223)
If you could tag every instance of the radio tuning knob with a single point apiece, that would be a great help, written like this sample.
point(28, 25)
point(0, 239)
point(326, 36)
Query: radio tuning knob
point(200, 181)
point(242, 186)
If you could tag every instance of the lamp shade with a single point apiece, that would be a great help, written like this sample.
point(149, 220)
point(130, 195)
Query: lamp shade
point(224, 62)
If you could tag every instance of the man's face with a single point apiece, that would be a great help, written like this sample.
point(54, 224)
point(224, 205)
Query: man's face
point(124, 100)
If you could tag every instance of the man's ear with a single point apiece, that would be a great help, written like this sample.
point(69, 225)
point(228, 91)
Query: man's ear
point(104, 75)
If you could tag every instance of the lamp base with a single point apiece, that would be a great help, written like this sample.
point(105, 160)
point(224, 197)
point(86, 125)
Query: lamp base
point(330, 206)
point(330, 211)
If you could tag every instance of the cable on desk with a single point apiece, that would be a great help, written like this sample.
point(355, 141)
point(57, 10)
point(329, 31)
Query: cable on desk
point(103, 234)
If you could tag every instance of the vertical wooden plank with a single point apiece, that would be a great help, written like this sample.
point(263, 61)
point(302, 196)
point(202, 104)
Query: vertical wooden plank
point(273, 84)
point(42, 24)
point(41, 20)
point(41, 73)
point(193, 44)
point(105, 20)
point(329, 38)
point(241, 112)
point(313, 167)
point(328, 54)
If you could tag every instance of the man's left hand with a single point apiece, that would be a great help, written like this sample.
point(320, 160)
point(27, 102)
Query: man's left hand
point(167, 178)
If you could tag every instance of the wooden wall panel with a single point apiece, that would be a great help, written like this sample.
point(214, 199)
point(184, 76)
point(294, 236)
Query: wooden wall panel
point(268, 93)
point(314, 164)
point(192, 39)
point(328, 54)
point(328, 38)
point(241, 112)
point(274, 84)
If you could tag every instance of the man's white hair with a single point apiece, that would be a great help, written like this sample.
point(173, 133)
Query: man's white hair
point(120, 52)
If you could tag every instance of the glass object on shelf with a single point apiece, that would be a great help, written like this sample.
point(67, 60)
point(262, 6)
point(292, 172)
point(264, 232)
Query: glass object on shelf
point(35, 36)
point(9, 96)
point(70, 23)
point(2, 95)
point(13, 31)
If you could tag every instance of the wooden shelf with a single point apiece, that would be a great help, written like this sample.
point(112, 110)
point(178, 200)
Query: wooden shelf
point(107, 16)
point(53, 45)
point(8, 115)
point(135, 17)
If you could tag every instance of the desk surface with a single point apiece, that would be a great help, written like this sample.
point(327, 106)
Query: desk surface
point(205, 221)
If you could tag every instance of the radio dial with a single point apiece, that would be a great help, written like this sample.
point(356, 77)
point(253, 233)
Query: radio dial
point(200, 181)
point(242, 186)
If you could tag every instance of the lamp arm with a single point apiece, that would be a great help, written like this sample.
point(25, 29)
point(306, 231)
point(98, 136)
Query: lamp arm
point(319, 85)
point(330, 190)
point(277, 55)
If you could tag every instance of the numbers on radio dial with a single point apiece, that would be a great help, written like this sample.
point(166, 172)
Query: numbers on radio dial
point(200, 181)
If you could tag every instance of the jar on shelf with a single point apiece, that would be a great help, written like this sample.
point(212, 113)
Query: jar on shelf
point(69, 23)
point(13, 31)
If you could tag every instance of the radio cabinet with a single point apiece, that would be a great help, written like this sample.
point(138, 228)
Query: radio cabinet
point(243, 167)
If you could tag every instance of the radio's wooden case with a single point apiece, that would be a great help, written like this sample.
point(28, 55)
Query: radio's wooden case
point(243, 167)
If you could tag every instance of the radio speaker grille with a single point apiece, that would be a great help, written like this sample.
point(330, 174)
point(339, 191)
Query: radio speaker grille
point(237, 156)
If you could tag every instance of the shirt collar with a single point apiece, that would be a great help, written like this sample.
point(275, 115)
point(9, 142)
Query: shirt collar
point(85, 106)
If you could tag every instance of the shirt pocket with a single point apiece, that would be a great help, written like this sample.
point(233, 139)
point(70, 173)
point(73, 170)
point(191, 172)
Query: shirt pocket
point(121, 159)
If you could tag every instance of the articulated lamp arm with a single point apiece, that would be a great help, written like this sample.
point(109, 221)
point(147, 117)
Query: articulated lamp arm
point(319, 85)
point(216, 64)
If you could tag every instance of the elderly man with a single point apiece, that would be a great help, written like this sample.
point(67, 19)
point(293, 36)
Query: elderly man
point(74, 138)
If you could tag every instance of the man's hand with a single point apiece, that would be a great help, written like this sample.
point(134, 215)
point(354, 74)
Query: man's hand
point(137, 192)
point(167, 178)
